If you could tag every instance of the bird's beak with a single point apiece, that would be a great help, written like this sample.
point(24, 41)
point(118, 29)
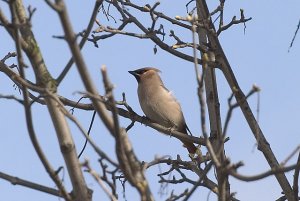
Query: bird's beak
point(135, 74)
point(132, 73)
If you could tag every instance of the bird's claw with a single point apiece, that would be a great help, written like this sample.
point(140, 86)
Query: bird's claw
point(170, 130)
point(144, 118)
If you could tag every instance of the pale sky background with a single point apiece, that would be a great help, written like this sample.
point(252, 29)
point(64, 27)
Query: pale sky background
point(259, 56)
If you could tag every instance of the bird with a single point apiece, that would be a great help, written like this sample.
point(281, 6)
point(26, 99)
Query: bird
point(158, 103)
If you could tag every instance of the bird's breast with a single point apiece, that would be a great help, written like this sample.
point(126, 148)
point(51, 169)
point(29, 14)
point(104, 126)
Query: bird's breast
point(160, 106)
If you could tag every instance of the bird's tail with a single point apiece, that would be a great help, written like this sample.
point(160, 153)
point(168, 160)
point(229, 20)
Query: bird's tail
point(190, 147)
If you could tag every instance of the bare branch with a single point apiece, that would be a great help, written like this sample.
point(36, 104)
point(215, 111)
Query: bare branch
point(15, 19)
point(129, 167)
point(158, 14)
point(18, 80)
point(129, 163)
point(294, 152)
point(217, 141)
point(31, 11)
point(96, 38)
point(45, 80)
point(255, 89)
point(53, 5)
point(143, 120)
point(294, 37)
point(268, 173)
point(296, 178)
point(101, 153)
point(88, 30)
point(177, 197)
point(263, 145)
point(11, 97)
point(98, 179)
point(9, 55)
point(117, 31)
point(152, 35)
point(153, 17)
point(18, 181)
point(233, 22)
point(200, 81)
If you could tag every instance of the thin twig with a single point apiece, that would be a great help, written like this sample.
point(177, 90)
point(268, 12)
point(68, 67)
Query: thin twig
point(98, 179)
point(263, 175)
point(296, 178)
point(22, 182)
point(294, 152)
point(101, 153)
point(205, 171)
point(232, 106)
point(12, 97)
point(9, 55)
point(234, 21)
point(88, 133)
point(88, 30)
point(294, 37)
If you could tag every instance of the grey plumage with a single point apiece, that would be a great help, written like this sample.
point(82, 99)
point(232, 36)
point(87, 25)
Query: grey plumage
point(158, 103)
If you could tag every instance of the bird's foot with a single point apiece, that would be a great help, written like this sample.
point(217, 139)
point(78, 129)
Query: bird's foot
point(170, 130)
point(145, 119)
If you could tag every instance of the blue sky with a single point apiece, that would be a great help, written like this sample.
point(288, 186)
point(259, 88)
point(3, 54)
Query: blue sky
point(260, 56)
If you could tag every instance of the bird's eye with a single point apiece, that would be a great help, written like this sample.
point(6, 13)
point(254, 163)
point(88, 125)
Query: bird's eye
point(142, 72)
